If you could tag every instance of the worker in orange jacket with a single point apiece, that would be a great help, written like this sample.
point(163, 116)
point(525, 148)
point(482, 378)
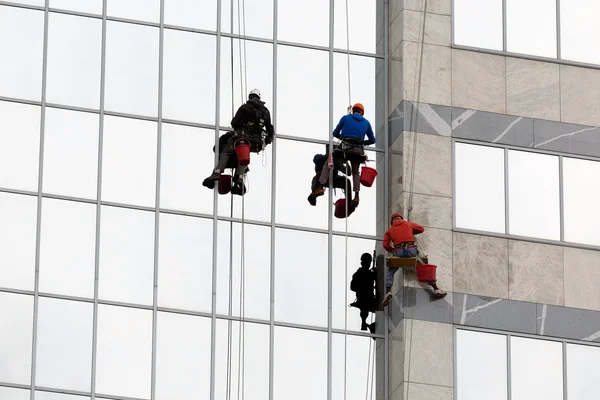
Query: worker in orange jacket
point(401, 233)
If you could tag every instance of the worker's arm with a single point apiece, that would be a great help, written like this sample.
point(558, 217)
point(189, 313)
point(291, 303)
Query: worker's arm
point(417, 228)
point(237, 121)
point(386, 242)
point(269, 127)
point(337, 132)
point(370, 135)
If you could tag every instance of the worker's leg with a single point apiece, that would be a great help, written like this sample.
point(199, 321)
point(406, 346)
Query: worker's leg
point(341, 182)
point(389, 282)
point(221, 165)
point(314, 185)
point(364, 314)
point(414, 252)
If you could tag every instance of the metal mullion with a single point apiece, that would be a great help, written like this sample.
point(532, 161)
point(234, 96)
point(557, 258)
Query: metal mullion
point(18, 191)
point(27, 6)
point(506, 195)
point(20, 101)
point(329, 214)
point(38, 235)
point(386, 189)
point(508, 367)
point(75, 13)
point(564, 371)
point(561, 198)
point(504, 35)
point(558, 31)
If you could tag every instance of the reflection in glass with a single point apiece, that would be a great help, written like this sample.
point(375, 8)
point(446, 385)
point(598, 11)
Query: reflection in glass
point(362, 24)
point(126, 255)
point(301, 277)
point(185, 262)
point(64, 344)
point(189, 76)
point(67, 248)
point(308, 361)
point(293, 16)
point(16, 312)
point(145, 10)
point(19, 144)
point(88, 6)
point(258, 15)
point(257, 269)
point(358, 365)
point(578, 20)
point(474, 349)
point(57, 396)
point(71, 153)
point(536, 369)
point(7, 393)
point(533, 195)
point(17, 235)
point(479, 187)
point(74, 51)
point(129, 161)
point(192, 14)
point(182, 357)
point(21, 42)
point(582, 372)
point(478, 23)
point(531, 27)
point(581, 199)
point(131, 67)
point(124, 350)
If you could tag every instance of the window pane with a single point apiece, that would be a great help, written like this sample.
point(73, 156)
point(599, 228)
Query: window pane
point(21, 42)
point(17, 235)
point(357, 366)
point(192, 13)
point(126, 255)
point(581, 199)
point(257, 267)
point(189, 76)
point(124, 351)
point(145, 10)
point(71, 153)
point(578, 20)
point(536, 369)
point(257, 14)
point(301, 269)
point(131, 68)
point(129, 161)
point(19, 145)
point(478, 23)
point(582, 372)
point(474, 349)
point(362, 25)
point(479, 187)
point(531, 27)
point(16, 312)
point(88, 6)
point(292, 22)
point(303, 73)
point(57, 396)
point(533, 195)
point(74, 50)
point(67, 248)
point(308, 361)
point(186, 155)
point(185, 262)
point(64, 344)
point(7, 393)
point(182, 357)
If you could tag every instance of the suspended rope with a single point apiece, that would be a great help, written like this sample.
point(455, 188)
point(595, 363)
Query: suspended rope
point(348, 52)
point(241, 337)
point(229, 323)
point(369, 368)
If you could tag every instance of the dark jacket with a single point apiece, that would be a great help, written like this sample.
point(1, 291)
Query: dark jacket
point(363, 282)
point(354, 126)
point(254, 111)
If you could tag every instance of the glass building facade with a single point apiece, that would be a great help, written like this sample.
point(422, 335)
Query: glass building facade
point(121, 277)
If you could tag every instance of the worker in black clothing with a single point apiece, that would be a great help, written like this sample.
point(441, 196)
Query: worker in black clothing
point(248, 124)
point(339, 181)
point(363, 284)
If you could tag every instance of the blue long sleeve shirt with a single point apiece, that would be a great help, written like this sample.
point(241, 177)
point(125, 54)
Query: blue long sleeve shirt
point(354, 126)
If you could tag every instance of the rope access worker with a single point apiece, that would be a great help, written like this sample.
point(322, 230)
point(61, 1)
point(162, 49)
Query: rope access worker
point(351, 130)
point(401, 233)
point(339, 181)
point(248, 124)
point(363, 283)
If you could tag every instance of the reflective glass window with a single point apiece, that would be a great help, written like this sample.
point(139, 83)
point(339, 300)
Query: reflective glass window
point(531, 27)
point(578, 20)
point(474, 349)
point(533, 195)
point(186, 159)
point(362, 23)
point(303, 73)
point(124, 351)
point(126, 255)
point(257, 15)
point(64, 344)
point(144, 10)
point(131, 68)
point(7, 393)
point(308, 361)
point(581, 199)
point(582, 374)
point(57, 396)
point(293, 17)
point(17, 235)
point(479, 187)
point(21, 42)
point(19, 144)
point(357, 364)
point(478, 23)
point(87, 6)
point(74, 51)
point(129, 161)
point(16, 312)
point(182, 357)
point(185, 262)
point(301, 273)
point(67, 248)
point(536, 369)
point(71, 153)
point(192, 13)
point(256, 245)
point(189, 76)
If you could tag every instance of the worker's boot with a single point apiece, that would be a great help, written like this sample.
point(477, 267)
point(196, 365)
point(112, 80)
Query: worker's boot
point(387, 298)
point(364, 326)
point(210, 181)
point(238, 188)
point(320, 191)
point(371, 327)
point(439, 294)
point(312, 199)
point(355, 201)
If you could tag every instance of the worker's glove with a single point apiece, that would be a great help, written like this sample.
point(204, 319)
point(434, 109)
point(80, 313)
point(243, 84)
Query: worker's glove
point(268, 140)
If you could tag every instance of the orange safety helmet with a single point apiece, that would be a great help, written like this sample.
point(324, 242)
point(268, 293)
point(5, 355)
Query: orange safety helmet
point(358, 106)
point(394, 216)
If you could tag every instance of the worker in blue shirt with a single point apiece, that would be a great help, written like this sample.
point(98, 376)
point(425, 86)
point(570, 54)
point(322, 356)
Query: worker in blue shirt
point(351, 130)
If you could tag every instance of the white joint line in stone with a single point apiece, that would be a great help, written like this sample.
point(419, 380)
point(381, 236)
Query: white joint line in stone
point(543, 318)
point(472, 311)
point(565, 135)
point(440, 126)
point(462, 118)
point(592, 337)
point(508, 128)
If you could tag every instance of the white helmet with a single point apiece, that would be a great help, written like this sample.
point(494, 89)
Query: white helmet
point(256, 92)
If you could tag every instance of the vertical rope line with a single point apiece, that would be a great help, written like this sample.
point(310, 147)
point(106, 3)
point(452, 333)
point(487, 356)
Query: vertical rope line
point(229, 323)
point(348, 52)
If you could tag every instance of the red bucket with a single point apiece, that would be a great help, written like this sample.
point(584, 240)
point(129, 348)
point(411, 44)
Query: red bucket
point(367, 176)
point(224, 184)
point(426, 272)
point(340, 208)
point(243, 153)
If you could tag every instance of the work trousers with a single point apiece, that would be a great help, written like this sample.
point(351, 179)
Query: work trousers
point(229, 149)
point(352, 152)
point(339, 182)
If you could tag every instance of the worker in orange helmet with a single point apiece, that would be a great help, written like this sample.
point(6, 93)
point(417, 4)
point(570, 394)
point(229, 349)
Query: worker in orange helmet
point(401, 233)
point(351, 130)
